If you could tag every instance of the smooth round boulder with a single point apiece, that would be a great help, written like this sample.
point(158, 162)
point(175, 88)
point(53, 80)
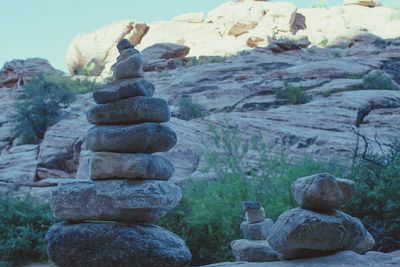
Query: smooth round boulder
point(132, 67)
point(127, 53)
point(123, 89)
point(107, 244)
point(114, 200)
point(253, 251)
point(139, 138)
point(319, 191)
point(128, 111)
point(107, 165)
point(300, 233)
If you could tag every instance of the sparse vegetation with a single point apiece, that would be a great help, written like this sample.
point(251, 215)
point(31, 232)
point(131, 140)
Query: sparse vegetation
point(206, 60)
point(378, 80)
point(188, 109)
point(40, 103)
point(324, 42)
point(23, 226)
point(293, 94)
point(210, 213)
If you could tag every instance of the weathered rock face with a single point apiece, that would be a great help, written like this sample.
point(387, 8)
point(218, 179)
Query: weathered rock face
point(99, 47)
point(300, 233)
point(117, 200)
point(138, 138)
point(17, 72)
point(253, 251)
point(235, 26)
point(115, 245)
point(104, 165)
point(322, 191)
point(132, 110)
point(118, 90)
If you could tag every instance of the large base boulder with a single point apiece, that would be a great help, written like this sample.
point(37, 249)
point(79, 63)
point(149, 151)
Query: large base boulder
point(106, 244)
point(300, 233)
point(115, 200)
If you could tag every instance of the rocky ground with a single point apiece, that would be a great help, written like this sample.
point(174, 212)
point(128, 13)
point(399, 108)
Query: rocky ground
point(343, 259)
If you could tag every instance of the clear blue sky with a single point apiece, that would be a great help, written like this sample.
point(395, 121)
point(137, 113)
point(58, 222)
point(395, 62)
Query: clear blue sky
point(44, 28)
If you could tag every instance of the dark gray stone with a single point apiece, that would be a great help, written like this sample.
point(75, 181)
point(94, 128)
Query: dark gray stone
point(299, 233)
point(132, 110)
point(124, 44)
point(129, 68)
point(319, 191)
point(118, 90)
point(127, 53)
point(107, 165)
point(253, 251)
point(139, 138)
point(251, 205)
point(114, 200)
point(116, 245)
point(256, 231)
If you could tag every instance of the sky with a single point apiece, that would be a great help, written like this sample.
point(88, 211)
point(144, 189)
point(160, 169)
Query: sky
point(44, 28)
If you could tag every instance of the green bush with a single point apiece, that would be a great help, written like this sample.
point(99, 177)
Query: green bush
point(293, 94)
point(378, 80)
point(40, 103)
point(209, 216)
point(188, 109)
point(377, 199)
point(23, 226)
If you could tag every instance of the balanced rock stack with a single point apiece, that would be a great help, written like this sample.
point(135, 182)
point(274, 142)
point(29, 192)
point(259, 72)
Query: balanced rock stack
point(254, 248)
point(108, 219)
point(317, 228)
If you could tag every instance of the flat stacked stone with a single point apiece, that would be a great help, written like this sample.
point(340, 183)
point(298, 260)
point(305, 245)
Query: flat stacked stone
point(255, 228)
point(317, 227)
point(108, 218)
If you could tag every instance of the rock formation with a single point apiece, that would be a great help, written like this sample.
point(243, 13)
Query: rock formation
point(255, 228)
point(108, 219)
point(316, 228)
point(235, 26)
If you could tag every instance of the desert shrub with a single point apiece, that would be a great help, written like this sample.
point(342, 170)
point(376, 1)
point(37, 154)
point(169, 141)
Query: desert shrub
point(324, 42)
point(38, 107)
point(188, 109)
point(201, 60)
point(295, 95)
point(377, 199)
point(378, 80)
point(210, 213)
point(23, 226)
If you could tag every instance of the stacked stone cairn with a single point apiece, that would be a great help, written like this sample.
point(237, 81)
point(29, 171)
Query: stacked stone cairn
point(255, 228)
point(108, 220)
point(317, 228)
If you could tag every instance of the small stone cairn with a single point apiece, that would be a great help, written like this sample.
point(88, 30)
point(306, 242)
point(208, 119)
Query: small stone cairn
point(108, 220)
point(255, 228)
point(317, 228)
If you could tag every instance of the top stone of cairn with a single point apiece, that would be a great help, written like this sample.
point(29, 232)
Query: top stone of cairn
point(129, 63)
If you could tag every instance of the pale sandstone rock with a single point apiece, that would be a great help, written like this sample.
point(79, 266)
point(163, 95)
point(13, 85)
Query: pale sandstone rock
point(368, 3)
point(99, 47)
point(194, 17)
